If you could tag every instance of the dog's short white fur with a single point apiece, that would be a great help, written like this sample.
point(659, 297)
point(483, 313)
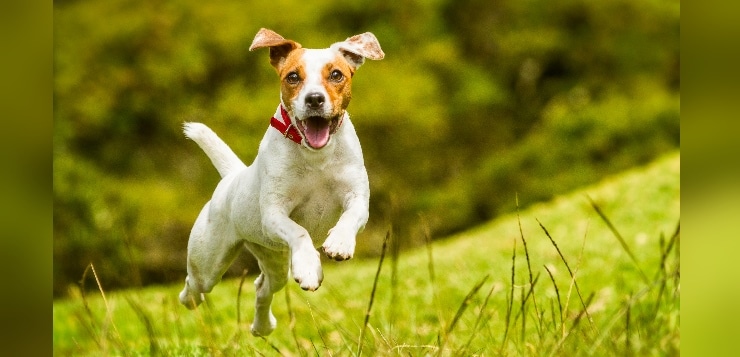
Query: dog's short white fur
point(293, 193)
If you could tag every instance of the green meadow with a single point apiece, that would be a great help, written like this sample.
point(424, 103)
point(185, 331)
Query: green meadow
point(593, 272)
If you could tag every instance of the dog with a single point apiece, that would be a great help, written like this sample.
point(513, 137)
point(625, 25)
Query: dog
point(307, 182)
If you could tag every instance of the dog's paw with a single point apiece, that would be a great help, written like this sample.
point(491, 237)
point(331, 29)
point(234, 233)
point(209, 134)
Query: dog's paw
point(191, 300)
point(340, 245)
point(306, 268)
point(263, 328)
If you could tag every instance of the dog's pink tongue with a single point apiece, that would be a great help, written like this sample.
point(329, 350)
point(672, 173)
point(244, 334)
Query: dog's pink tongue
point(317, 132)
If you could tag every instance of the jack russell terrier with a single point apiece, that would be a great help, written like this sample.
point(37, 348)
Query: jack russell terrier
point(308, 179)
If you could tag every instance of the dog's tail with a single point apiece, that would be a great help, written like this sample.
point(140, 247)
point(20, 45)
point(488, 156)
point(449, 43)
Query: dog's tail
point(220, 154)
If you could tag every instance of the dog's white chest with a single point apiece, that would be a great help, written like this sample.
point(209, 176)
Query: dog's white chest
point(318, 205)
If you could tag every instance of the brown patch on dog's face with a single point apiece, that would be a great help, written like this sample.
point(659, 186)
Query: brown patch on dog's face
point(337, 79)
point(292, 73)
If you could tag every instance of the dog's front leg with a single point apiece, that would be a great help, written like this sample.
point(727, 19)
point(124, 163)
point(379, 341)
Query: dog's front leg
point(340, 244)
point(304, 258)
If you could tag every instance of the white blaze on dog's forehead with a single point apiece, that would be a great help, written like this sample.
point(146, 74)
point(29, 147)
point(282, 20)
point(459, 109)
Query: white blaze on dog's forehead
point(314, 62)
point(319, 57)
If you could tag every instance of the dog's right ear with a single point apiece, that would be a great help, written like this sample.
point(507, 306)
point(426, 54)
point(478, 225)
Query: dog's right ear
point(356, 48)
point(279, 46)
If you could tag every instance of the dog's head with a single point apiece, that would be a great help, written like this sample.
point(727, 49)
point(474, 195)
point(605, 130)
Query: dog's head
point(316, 84)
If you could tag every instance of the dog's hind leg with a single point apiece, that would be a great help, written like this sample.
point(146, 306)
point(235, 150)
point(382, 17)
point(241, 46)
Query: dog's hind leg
point(211, 250)
point(274, 276)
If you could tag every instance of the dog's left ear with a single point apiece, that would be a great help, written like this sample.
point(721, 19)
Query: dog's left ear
point(356, 48)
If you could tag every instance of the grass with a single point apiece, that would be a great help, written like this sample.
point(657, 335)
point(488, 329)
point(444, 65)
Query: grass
point(595, 272)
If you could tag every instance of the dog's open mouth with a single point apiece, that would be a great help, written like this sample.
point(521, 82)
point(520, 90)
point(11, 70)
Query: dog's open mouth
point(317, 130)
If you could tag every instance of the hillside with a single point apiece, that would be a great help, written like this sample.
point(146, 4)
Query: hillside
point(455, 296)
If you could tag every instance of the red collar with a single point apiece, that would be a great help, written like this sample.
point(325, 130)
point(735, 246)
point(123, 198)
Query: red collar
point(286, 127)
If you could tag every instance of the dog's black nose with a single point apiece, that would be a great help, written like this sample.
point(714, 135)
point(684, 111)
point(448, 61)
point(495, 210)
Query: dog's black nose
point(315, 100)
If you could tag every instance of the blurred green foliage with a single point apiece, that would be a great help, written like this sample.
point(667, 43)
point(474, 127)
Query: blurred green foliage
point(476, 103)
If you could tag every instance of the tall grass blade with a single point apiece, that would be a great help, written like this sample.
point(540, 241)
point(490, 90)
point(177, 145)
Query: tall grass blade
point(459, 313)
point(372, 294)
point(567, 266)
point(318, 329)
point(583, 312)
point(553, 318)
point(522, 312)
point(477, 321)
point(560, 303)
point(108, 312)
point(666, 250)
point(272, 346)
point(510, 305)
point(395, 250)
point(576, 321)
point(90, 323)
point(619, 237)
point(677, 274)
point(526, 255)
point(662, 273)
point(465, 304)
point(526, 297)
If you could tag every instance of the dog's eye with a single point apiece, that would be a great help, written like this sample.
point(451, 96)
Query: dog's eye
point(293, 78)
point(336, 75)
